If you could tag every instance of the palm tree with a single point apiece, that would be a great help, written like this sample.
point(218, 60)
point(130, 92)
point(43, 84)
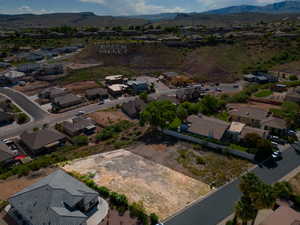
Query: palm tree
point(244, 210)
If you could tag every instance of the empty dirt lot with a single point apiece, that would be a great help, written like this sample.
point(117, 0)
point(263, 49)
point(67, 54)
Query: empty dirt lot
point(108, 117)
point(162, 190)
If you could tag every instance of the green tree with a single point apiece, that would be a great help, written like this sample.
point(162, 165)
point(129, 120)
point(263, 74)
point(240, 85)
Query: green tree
point(22, 118)
point(80, 140)
point(154, 219)
point(251, 139)
point(282, 190)
point(293, 77)
point(245, 210)
point(182, 112)
point(210, 105)
point(264, 150)
point(144, 96)
point(158, 114)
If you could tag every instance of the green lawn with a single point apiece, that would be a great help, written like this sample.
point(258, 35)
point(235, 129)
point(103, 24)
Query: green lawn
point(263, 93)
point(238, 147)
point(222, 116)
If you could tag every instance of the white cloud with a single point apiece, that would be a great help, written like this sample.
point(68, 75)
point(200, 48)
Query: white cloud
point(25, 9)
point(131, 7)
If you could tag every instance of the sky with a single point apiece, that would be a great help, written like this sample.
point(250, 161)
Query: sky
point(119, 7)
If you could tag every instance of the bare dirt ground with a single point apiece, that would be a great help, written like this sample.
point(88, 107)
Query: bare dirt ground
point(162, 190)
point(114, 218)
point(33, 88)
point(15, 184)
point(81, 87)
point(107, 118)
point(216, 169)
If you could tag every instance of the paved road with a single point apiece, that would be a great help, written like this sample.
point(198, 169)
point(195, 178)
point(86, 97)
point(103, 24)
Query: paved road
point(220, 204)
point(26, 104)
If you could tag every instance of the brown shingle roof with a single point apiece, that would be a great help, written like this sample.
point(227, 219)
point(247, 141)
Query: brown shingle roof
point(275, 122)
point(38, 139)
point(207, 126)
point(77, 124)
point(250, 112)
point(250, 130)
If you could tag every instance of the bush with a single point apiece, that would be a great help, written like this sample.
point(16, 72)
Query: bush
point(80, 140)
point(154, 219)
point(3, 204)
point(104, 192)
point(293, 77)
point(200, 160)
point(22, 118)
point(112, 130)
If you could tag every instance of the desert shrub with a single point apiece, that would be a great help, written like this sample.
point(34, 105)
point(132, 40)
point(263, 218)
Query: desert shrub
point(80, 140)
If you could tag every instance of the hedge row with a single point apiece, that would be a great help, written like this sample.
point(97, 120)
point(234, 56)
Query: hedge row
point(120, 201)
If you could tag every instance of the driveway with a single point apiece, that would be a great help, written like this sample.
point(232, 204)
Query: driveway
point(35, 111)
point(220, 204)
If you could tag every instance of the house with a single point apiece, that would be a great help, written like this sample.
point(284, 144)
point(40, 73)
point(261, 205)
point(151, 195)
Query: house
point(51, 69)
point(275, 125)
point(96, 93)
point(117, 89)
point(248, 115)
point(66, 101)
point(207, 126)
point(6, 155)
point(293, 96)
point(284, 215)
point(78, 125)
point(133, 108)
point(279, 88)
point(38, 142)
point(30, 56)
point(52, 93)
point(58, 199)
point(170, 75)
point(5, 118)
point(238, 131)
point(4, 65)
point(29, 68)
point(14, 76)
point(115, 79)
point(189, 94)
point(138, 86)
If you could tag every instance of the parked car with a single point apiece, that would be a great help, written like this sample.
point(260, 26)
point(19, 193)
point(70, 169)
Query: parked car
point(236, 86)
point(277, 155)
point(80, 113)
point(274, 145)
point(101, 102)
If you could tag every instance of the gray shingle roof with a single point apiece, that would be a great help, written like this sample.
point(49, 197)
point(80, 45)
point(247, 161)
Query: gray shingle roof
point(250, 112)
point(38, 139)
point(207, 126)
point(67, 99)
point(77, 124)
point(49, 200)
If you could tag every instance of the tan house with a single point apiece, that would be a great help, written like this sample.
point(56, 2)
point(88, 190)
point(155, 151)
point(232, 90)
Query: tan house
point(275, 125)
point(293, 96)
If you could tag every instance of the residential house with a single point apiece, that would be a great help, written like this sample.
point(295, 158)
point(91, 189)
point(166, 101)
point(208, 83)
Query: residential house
point(283, 215)
point(170, 75)
point(275, 125)
point(207, 126)
point(279, 88)
point(115, 79)
point(5, 118)
point(58, 199)
point(29, 56)
point(52, 93)
point(249, 115)
point(117, 89)
point(238, 131)
point(250, 78)
point(293, 96)
point(189, 94)
point(6, 155)
point(78, 125)
point(138, 86)
point(29, 68)
point(133, 108)
point(66, 101)
point(96, 93)
point(14, 76)
point(4, 65)
point(40, 141)
point(51, 69)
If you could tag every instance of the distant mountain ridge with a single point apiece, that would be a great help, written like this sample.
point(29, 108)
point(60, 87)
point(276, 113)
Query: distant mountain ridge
point(279, 8)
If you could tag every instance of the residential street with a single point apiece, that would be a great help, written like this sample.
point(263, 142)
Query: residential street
point(25, 103)
point(220, 204)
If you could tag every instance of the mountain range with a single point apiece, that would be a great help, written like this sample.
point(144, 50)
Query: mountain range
point(226, 16)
